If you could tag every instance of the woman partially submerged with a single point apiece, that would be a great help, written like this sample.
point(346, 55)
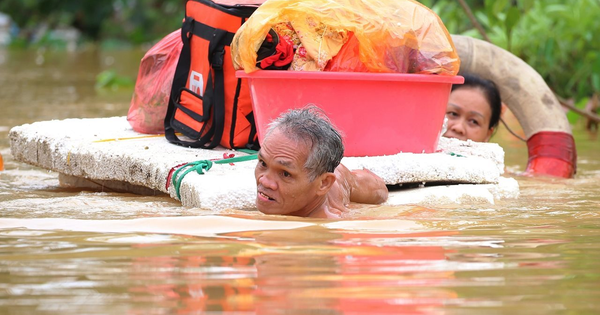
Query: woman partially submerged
point(473, 110)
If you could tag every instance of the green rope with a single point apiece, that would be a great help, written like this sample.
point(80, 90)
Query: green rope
point(456, 154)
point(204, 165)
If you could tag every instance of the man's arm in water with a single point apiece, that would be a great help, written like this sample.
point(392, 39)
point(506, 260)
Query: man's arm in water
point(365, 186)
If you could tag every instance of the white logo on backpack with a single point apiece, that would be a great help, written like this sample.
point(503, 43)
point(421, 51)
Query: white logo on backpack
point(196, 82)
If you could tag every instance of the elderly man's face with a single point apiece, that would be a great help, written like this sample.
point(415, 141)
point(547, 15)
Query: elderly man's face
point(283, 184)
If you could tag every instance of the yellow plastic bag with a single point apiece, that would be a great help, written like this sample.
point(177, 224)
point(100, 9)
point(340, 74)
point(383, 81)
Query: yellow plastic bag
point(400, 36)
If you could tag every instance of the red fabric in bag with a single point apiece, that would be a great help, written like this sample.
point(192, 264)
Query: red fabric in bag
point(153, 86)
point(347, 59)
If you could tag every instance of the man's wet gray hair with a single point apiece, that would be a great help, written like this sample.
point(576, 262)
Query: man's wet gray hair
point(310, 124)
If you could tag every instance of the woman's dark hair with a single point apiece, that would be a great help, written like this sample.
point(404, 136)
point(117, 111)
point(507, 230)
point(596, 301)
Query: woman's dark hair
point(492, 95)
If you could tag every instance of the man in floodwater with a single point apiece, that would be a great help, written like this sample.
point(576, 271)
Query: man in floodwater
point(299, 172)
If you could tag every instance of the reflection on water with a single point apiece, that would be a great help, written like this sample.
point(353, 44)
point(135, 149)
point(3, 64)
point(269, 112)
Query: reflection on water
point(538, 254)
point(271, 273)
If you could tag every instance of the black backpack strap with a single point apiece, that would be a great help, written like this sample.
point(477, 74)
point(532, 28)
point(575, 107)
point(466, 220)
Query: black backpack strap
point(179, 81)
point(252, 144)
point(214, 94)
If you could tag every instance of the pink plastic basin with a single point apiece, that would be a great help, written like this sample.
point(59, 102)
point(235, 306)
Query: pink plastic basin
point(377, 113)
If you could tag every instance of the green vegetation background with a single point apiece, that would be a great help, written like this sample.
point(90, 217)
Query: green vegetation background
point(560, 39)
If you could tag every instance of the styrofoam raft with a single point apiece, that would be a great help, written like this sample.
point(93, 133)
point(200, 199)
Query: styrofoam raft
point(108, 152)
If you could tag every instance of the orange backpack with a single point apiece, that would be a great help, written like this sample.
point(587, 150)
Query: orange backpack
point(208, 104)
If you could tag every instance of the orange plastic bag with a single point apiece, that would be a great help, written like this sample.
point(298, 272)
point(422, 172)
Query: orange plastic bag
point(400, 36)
point(153, 86)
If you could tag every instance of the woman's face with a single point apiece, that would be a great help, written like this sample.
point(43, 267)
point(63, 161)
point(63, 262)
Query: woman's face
point(469, 115)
